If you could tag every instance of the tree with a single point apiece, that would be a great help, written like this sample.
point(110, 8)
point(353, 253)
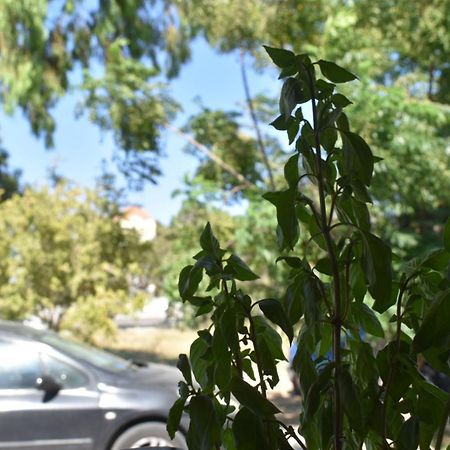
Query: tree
point(358, 396)
point(9, 179)
point(401, 54)
point(67, 260)
point(117, 47)
point(122, 51)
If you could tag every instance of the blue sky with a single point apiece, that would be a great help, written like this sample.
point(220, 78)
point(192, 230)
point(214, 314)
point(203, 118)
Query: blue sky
point(80, 146)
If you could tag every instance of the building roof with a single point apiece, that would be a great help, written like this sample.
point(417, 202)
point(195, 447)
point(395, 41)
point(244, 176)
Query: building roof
point(136, 211)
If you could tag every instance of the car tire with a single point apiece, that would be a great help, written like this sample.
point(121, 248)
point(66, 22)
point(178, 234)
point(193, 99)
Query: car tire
point(147, 435)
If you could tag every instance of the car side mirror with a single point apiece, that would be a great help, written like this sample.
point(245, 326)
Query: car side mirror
point(49, 385)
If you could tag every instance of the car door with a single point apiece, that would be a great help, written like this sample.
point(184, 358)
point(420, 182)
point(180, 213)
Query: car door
point(31, 420)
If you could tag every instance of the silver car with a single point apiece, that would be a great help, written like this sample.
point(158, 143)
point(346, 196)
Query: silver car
point(62, 395)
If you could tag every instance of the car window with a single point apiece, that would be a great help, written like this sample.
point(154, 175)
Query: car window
point(67, 375)
point(19, 366)
point(91, 355)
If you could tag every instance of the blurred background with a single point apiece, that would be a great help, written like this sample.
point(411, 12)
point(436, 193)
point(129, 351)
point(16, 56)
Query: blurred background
point(126, 125)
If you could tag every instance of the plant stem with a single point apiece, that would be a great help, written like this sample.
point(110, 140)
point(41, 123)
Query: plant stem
point(393, 363)
point(337, 320)
point(251, 108)
point(237, 354)
point(347, 280)
point(333, 205)
point(292, 433)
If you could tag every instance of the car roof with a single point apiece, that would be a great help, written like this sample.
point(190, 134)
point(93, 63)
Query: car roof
point(19, 330)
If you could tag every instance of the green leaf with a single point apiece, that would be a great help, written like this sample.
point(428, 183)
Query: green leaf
point(335, 73)
point(198, 361)
point(400, 383)
point(190, 278)
point(377, 263)
point(292, 131)
point(366, 365)
point(247, 365)
point(228, 328)
point(343, 123)
point(360, 192)
point(281, 123)
point(274, 311)
point(312, 401)
point(308, 219)
point(328, 139)
point(183, 389)
point(209, 263)
point(292, 261)
point(228, 439)
point(358, 158)
point(447, 236)
point(205, 308)
point(249, 431)
point(223, 372)
point(284, 201)
point(408, 438)
point(219, 345)
point(361, 214)
point(204, 427)
point(281, 57)
point(252, 399)
point(305, 367)
point(311, 300)
point(184, 367)
point(291, 172)
point(366, 319)
point(240, 270)
point(437, 259)
point(431, 404)
point(324, 266)
point(288, 71)
point(435, 330)
point(340, 101)
point(174, 417)
point(292, 300)
point(271, 338)
point(290, 97)
point(357, 282)
point(208, 241)
point(351, 400)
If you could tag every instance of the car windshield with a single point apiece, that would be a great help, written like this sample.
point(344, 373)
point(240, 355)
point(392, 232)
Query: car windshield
point(91, 355)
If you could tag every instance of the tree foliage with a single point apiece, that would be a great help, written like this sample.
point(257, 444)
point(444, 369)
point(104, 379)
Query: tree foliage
point(121, 49)
point(67, 260)
point(357, 396)
point(9, 178)
point(402, 109)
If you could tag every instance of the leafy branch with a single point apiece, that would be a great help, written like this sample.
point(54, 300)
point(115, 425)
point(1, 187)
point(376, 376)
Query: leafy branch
point(341, 351)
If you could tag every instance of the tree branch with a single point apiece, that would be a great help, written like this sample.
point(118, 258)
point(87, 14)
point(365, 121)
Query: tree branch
point(259, 139)
point(430, 81)
point(212, 156)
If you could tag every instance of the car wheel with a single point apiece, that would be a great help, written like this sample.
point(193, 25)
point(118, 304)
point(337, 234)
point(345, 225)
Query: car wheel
point(148, 434)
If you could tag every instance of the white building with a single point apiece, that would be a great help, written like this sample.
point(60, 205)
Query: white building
point(136, 218)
